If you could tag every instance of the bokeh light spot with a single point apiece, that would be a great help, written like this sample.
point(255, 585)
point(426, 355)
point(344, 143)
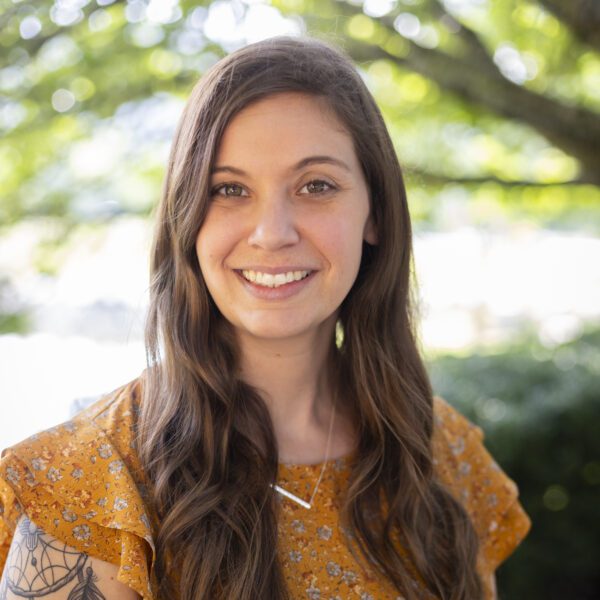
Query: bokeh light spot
point(190, 42)
point(591, 472)
point(11, 78)
point(493, 409)
point(135, 12)
point(361, 27)
point(98, 156)
point(428, 37)
point(82, 88)
point(407, 25)
point(414, 88)
point(164, 63)
point(198, 17)
point(262, 22)
point(58, 52)
point(556, 498)
point(67, 12)
point(99, 20)
point(146, 35)
point(222, 23)
point(163, 11)
point(378, 8)
point(30, 26)
point(63, 100)
point(12, 114)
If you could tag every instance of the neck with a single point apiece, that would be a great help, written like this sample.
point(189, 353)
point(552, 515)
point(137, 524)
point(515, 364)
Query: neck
point(294, 378)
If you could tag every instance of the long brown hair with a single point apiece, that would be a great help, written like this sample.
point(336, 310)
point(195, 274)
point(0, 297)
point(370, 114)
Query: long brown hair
point(205, 436)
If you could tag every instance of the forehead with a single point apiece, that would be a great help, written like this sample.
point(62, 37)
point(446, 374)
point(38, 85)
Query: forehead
point(285, 127)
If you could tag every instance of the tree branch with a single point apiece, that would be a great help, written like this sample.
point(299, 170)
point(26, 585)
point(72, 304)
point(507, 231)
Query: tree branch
point(582, 16)
point(573, 129)
point(469, 37)
point(424, 176)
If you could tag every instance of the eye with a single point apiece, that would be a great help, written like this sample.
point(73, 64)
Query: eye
point(228, 190)
point(318, 186)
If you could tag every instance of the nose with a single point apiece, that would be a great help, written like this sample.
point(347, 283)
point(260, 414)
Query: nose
point(274, 225)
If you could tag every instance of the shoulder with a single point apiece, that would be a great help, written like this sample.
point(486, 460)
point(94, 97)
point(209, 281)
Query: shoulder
point(461, 460)
point(81, 483)
point(454, 439)
point(465, 467)
point(94, 447)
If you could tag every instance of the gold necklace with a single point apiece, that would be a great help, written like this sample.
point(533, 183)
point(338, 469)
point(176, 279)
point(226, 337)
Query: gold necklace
point(295, 498)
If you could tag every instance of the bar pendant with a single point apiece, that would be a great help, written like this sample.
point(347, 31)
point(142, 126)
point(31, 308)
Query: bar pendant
point(291, 496)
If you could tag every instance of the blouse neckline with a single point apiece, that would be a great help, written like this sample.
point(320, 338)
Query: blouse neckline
point(340, 463)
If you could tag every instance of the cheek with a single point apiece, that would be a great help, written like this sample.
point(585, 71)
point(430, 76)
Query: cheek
point(342, 245)
point(214, 242)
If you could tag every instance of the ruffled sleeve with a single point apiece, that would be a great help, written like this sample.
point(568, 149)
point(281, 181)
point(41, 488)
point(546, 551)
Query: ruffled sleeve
point(73, 481)
point(489, 496)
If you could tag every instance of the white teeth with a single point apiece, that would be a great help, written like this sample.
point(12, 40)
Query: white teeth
point(273, 281)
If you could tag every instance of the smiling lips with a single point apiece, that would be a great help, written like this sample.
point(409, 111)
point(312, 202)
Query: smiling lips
point(271, 280)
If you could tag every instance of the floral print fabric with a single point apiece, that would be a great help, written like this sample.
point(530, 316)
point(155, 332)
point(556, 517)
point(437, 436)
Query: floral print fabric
point(82, 483)
point(316, 560)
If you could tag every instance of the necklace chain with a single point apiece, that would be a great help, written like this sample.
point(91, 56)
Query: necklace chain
point(295, 498)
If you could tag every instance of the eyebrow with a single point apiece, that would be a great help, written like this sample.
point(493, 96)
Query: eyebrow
point(305, 162)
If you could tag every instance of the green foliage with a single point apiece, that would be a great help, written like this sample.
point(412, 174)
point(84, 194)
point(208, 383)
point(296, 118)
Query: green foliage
point(66, 75)
point(66, 85)
point(14, 322)
point(540, 411)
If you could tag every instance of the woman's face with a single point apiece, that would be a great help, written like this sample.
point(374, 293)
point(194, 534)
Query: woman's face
point(281, 243)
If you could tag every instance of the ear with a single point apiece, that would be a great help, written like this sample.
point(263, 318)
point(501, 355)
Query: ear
point(370, 232)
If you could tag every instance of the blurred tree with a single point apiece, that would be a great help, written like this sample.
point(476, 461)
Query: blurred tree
point(501, 97)
point(539, 408)
point(489, 66)
point(583, 16)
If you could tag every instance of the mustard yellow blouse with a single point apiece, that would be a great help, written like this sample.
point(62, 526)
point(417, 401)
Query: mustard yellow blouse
point(82, 483)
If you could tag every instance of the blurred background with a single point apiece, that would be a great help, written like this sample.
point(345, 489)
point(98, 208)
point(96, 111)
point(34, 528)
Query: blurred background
point(493, 106)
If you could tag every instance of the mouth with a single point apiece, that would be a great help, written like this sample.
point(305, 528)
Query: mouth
point(270, 280)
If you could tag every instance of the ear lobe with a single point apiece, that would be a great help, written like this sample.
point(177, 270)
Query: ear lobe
point(370, 232)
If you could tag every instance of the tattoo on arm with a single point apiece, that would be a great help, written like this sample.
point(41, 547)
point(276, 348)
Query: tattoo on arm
point(38, 565)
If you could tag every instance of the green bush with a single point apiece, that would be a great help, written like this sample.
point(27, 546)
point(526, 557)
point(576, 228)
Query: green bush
point(540, 410)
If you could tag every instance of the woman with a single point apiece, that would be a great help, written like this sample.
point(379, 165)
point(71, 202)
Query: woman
point(284, 441)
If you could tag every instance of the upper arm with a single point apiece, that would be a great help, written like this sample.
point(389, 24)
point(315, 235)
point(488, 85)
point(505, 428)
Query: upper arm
point(40, 566)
